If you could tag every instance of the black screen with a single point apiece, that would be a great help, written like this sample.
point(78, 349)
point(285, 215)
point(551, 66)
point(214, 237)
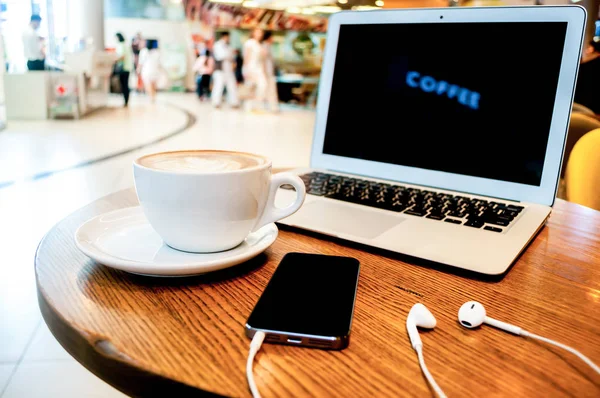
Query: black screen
point(465, 98)
point(309, 294)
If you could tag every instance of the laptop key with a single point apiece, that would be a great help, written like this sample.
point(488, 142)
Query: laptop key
point(316, 192)
point(502, 217)
point(475, 223)
point(397, 206)
point(500, 222)
point(436, 216)
point(493, 229)
point(453, 221)
point(415, 213)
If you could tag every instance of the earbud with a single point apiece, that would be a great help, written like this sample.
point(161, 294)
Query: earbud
point(418, 316)
point(472, 314)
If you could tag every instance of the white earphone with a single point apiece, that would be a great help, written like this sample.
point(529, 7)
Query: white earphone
point(472, 315)
point(420, 316)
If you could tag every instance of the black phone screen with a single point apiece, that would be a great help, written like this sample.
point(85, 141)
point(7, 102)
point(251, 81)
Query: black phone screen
point(309, 294)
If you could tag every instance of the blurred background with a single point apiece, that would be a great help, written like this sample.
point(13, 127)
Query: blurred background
point(77, 35)
point(87, 86)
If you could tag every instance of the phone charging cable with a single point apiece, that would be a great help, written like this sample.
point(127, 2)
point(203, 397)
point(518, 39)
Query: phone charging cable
point(255, 345)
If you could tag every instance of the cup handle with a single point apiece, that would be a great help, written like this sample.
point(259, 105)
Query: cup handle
point(271, 213)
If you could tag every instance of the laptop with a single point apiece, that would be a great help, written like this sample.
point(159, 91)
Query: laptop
point(440, 132)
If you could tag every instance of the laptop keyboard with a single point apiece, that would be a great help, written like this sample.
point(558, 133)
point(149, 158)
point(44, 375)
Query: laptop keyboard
point(455, 209)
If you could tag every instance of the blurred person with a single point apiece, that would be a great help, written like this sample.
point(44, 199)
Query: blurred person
point(139, 84)
point(137, 43)
point(33, 46)
point(200, 47)
point(254, 69)
point(149, 67)
point(587, 91)
point(223, 75)
point(239, 62)
point(271, 89)
point(204, 67)
point(123, 66)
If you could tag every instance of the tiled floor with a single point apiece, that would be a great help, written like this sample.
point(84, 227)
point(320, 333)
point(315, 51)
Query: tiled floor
point(6, 371)
point(32, 363)
point(59, 144)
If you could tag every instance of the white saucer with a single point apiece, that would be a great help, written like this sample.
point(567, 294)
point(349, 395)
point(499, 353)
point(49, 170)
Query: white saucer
point(123, 239)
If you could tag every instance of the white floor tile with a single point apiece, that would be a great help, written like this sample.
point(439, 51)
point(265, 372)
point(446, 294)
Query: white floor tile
point(20, 317)
point(64, 379)
point(44, 347)
point(6, 371)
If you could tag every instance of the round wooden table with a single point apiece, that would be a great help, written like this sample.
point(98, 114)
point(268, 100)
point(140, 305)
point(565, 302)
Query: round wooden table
point(185, 336)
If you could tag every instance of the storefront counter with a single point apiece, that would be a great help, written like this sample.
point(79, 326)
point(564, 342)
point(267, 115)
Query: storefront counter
point(80, 89)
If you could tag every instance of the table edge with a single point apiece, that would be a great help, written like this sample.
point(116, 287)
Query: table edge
point(94, 353)
point(122, 375)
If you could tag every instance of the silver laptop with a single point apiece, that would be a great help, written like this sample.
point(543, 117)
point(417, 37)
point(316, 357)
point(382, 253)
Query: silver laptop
point(440, 132)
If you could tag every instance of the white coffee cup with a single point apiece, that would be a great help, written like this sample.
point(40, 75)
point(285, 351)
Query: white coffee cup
point(209, 201)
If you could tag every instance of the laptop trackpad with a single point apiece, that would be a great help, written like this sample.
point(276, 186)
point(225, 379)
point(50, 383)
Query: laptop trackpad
point(343, 219)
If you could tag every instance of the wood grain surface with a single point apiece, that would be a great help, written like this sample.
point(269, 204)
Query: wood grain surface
point(184, 336)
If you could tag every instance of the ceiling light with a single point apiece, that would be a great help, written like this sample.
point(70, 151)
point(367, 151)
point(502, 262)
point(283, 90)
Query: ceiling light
point(227, 1)
point(308, 11)
point(343, 1)
point(326, 9)
point(294, 10)
point(364, 8)
point(379, 3)
point(250, 4)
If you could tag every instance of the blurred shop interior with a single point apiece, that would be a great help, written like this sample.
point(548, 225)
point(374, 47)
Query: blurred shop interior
point(78, 39)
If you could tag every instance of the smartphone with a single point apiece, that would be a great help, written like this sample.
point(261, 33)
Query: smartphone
point(308, 302)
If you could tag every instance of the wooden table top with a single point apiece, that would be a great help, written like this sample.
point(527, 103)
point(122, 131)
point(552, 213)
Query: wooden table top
point(181, 336)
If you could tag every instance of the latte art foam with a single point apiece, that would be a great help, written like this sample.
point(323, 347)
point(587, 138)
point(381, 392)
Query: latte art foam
point(201, 161)
point(190, 163)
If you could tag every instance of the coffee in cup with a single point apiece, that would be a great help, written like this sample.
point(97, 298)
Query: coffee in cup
point(201, 161)
point(209, 201)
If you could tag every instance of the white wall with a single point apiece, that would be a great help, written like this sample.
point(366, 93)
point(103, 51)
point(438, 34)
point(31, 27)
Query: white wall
point(83, 23)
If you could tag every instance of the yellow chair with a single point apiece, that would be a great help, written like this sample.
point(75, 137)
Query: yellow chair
point(583, 171)
point(578, 108)
point(580, 125)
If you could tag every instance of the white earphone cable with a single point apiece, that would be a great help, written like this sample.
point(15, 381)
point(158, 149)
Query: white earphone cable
point(428, 376)
point(255, 344)
point(564, 347)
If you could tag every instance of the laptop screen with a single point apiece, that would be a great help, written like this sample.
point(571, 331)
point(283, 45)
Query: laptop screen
point(463, 98)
